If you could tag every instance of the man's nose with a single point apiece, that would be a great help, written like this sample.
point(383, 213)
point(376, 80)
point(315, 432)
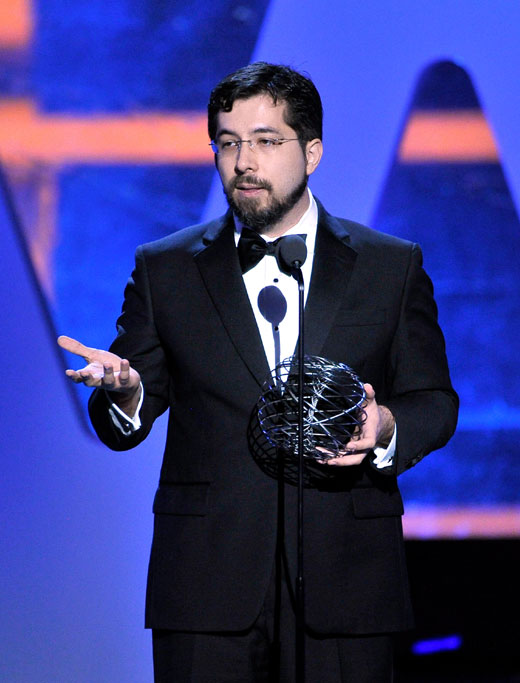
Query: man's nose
point(246, 159)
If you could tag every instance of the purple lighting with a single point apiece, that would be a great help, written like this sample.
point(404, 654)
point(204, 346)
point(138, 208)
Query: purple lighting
point(428, 647)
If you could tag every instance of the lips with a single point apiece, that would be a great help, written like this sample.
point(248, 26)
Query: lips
point(249, 187)
point(250, 184)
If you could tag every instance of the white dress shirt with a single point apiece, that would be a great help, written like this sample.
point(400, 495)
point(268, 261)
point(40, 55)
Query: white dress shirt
point(267, 274)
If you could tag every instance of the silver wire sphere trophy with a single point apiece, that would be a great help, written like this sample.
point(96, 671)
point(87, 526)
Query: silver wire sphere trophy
point(333, 406)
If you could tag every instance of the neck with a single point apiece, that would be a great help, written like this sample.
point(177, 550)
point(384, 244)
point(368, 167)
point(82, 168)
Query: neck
point(290, 219)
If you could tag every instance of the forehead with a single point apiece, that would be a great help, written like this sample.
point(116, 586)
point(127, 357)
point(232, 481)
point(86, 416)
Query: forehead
point(254, 114)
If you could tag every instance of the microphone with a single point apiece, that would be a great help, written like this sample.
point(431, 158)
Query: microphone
point(291, 253)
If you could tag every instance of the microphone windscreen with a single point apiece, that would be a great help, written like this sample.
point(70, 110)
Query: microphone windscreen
point(291, 252)
point(272, 304)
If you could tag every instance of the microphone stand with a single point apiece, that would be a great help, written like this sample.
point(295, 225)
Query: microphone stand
point(291, 254)
point(300, 593)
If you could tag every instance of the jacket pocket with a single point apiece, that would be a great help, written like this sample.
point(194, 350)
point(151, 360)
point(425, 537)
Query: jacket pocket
point(182, 498)
point(370, 503)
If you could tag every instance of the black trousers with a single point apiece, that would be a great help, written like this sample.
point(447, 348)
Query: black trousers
point(266, 652)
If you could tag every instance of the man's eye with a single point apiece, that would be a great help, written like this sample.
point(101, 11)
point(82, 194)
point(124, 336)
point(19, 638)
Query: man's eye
point(267, 142)
point(228, 144)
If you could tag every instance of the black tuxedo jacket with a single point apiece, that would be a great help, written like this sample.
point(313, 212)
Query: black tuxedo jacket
point(188, 328)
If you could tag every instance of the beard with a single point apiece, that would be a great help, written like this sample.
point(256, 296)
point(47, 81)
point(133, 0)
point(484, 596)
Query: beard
point(251, 214)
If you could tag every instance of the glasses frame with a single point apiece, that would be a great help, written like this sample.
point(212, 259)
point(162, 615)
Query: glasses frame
point(237, 144)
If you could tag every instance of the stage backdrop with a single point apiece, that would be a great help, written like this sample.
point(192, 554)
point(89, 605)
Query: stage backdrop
point(103, 146)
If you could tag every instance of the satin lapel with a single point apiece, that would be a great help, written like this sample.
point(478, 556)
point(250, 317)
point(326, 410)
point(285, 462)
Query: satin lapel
point(220, 270)
point(334, 262)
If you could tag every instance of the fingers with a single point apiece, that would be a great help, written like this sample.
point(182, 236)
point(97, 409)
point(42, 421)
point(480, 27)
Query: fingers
point(108, 379)
point(364, 443)
point(344, 456)
point(347, 460)
point(124, 373)
point(90, 376)
point(363, 440)
point(119, 379)
point(74, 346)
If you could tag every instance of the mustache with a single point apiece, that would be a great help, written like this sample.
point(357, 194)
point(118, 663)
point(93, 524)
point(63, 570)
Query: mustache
point(252, 181)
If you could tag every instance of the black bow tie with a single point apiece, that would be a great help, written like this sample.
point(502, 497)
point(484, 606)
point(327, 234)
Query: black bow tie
point(252, 248)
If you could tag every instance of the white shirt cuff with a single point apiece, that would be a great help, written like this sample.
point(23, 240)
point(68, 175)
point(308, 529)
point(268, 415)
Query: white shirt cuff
point(385, 456)
point(127, 425)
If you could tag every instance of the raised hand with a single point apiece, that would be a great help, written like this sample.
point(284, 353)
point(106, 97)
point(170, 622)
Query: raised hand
point(105, 369)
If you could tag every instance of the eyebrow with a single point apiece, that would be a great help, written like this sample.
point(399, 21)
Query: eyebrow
point(260, 129)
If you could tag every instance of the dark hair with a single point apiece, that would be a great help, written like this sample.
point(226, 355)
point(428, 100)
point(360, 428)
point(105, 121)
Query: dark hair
point(304, 112)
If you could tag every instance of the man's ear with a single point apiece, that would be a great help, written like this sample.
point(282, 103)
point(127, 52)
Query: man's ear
point(313, 152)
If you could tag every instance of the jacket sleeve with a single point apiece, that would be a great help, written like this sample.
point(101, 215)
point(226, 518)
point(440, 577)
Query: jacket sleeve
point(422, 399)
point(138, 341)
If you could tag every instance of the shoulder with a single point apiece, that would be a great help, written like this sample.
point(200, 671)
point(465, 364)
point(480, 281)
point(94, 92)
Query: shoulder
point(366, 240)
point(381, 247)
point(183, 243)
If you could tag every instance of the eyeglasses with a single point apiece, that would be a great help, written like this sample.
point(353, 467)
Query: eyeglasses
point(263, 145)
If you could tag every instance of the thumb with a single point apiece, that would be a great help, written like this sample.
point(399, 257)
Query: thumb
point(75, 346)
point(369, 391)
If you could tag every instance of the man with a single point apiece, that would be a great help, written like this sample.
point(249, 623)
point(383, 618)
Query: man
point(195, 336)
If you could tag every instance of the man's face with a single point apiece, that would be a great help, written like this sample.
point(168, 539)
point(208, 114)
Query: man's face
point(264, 187)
